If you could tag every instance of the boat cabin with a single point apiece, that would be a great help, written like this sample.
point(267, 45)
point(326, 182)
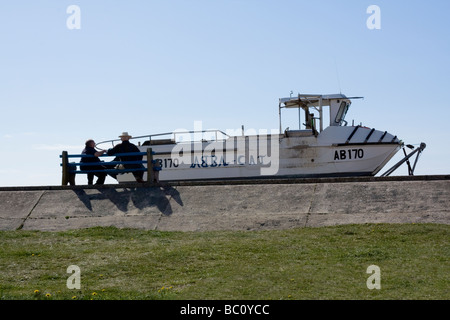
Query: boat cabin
point(338, 106)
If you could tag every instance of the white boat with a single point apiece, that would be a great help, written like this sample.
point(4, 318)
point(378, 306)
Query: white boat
point(317, 149)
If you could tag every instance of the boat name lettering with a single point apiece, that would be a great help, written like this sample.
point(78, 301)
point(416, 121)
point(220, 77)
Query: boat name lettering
point(348, 154)
point(168, 163)
point(210, 161)
point(214, 161)
point(202, 162)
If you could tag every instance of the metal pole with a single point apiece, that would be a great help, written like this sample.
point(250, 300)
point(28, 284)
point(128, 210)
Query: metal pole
point(279, 114)
point(299, 114)
point(321, 113)
point(406, 158)
point(150, 173)
point(421, 148)
point(407, 162)
point(65, 168)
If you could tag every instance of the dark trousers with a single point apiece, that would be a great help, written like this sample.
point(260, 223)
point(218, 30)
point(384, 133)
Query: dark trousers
point(138, 175)
point(101, 176)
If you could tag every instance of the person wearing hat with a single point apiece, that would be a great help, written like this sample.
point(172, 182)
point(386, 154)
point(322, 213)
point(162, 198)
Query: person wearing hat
point(92, 163)
point(127, 147)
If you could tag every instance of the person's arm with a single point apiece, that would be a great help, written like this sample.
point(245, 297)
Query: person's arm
point(91, 151)
point(113, 151)
point(99, 153)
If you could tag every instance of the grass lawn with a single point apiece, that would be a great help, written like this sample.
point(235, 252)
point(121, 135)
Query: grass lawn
point(307, 263)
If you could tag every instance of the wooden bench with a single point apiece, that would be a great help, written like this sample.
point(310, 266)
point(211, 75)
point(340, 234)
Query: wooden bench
point(69, 169)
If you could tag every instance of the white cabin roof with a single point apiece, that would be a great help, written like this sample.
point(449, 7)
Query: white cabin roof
point(312, 100)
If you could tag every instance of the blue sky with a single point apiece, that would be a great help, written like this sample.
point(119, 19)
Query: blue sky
point(157, 66)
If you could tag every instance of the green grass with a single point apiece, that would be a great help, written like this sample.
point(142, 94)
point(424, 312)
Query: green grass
point(307, 263)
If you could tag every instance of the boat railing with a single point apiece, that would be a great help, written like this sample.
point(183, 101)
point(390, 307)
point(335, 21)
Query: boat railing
point(195, 135)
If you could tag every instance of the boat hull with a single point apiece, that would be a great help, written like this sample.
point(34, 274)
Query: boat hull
point(293, 154)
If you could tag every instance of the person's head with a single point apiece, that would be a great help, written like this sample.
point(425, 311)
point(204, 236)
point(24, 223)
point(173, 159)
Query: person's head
point(90, 143)
point(124, 136)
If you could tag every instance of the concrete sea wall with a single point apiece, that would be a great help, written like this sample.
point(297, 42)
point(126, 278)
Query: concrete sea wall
point(232, 205)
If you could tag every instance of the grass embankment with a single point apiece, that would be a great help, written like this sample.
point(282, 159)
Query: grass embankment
point(308, 263)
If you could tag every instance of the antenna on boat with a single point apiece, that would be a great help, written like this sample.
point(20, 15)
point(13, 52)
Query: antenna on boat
point(299, 117)
point(337, 75)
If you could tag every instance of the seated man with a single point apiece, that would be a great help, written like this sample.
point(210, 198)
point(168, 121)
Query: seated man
point(127, 147)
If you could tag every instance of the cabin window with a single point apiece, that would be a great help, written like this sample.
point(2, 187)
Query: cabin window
point(343, 108)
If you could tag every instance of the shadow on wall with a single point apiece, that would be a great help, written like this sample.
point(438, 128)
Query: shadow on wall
point(141, 198)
